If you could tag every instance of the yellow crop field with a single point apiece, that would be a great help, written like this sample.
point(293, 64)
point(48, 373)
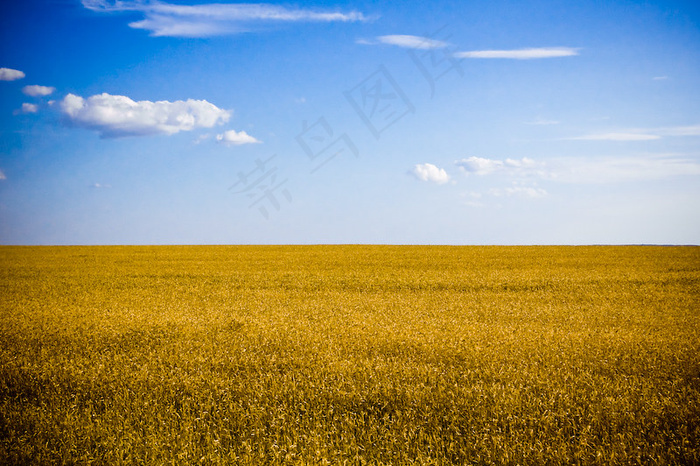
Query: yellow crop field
point(349, 355)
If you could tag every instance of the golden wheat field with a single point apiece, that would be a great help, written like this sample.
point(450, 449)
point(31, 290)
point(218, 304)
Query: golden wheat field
point(349, 355)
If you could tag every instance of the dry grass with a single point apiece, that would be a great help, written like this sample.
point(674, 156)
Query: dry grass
point(349, 354)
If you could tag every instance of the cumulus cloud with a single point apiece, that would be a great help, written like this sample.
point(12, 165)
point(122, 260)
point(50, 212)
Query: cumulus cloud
point(205, 20)
point(27, 108)
point(233, 138)
point(8, 74)
point(483, 166)
point(118, 116)
point(412, 42)
point(521, 54)
point(429, 172)
point(38, 91)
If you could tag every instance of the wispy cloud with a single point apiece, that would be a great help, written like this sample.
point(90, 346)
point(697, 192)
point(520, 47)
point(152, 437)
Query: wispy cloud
point(38, 91)
point(617, 137)
point(472, 199)
point(542, 122)
point(117, 116)
point(27, 108)
point(8, 74)
point(660, 78)
point(205, 20)
point(528, 192)
point(406, 41)
point(585, 169)
point(483, 166)
point(201, 138)
point(521, 54)
point(693, 130)
point(100, 186)
point(2, 175)
point(233, 138)
point(641, 134)
point(621, 169)
point(430, 172)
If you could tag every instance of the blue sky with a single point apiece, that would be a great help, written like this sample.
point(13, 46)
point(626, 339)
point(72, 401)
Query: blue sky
point(466, 122)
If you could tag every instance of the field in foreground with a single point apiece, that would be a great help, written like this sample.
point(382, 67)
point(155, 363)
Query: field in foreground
point(357, 354)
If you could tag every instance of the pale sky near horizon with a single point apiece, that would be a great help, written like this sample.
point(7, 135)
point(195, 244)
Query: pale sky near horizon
point(447, 122)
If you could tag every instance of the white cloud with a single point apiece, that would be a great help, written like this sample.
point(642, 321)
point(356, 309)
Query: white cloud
point(472, 199)
point(429, 172)
point(660, 78)
point(38, 91)
point(583, 170)
point(679, 131)
point(542, 122)
point(483, 166)
point(118, 116)
point(522, 163)
point(521, 54)
point(617, 137)
point(205, 20)
point(234, 138)
point(586, 169)
point(479, 165)
point(529, 192)
point(411, 42)
point(648, 134)
point(621, 169)
point(100, 186)
point(27, 108)
point(8, 74)
point(2, 175)
point(201, 138)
